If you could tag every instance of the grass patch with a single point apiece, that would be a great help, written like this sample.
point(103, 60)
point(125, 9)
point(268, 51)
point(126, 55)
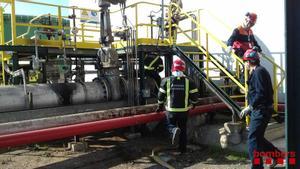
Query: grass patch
point(225, 155)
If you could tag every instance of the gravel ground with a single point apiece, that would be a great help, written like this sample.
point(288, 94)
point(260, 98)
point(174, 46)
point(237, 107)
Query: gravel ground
point(111, 151)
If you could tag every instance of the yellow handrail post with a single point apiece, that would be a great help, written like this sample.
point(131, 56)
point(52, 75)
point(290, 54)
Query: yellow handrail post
point(13, 23)
point(136, 25)
point(170, 25)
point(59, 20)
point(246, 74)
point(82, 32)
point(198, 27)
point(207, 58)
point(275, 88)
point(2, 41)
point(237, 64)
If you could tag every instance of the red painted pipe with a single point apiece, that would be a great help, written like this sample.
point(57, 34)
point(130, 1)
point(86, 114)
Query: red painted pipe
point(28, 137)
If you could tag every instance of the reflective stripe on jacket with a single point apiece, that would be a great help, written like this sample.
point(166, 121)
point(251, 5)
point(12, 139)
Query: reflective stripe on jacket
point(177, 93)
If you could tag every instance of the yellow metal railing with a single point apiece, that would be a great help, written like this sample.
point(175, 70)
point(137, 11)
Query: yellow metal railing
point(2, 43)
point(238, 60)
point(142, 28)
point(276, 82)
point(210, 36)
point(86, 32)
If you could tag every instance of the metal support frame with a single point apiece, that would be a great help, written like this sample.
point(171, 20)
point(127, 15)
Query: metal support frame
point(141, 56)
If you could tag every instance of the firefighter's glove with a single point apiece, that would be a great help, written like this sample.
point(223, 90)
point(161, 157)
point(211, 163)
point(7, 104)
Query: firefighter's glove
point(245, 111)
point(159, 108)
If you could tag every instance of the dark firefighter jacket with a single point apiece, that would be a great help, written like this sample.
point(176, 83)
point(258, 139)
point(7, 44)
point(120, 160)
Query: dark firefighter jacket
point(153, 63)
point(243, 40)
point(260, 93)
point(177, 93)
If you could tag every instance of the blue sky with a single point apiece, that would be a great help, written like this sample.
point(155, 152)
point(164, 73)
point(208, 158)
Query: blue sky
point(31, 9)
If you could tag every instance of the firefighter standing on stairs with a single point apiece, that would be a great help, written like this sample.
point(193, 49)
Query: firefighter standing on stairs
point(178, 93)
point(242, 37)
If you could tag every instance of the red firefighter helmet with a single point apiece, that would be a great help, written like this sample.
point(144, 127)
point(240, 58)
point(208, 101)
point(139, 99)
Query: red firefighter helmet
point(178, 65)
point(251, 55)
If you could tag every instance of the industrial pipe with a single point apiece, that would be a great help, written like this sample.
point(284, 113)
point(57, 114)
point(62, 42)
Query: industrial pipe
point(12, 98)
point(23, 138)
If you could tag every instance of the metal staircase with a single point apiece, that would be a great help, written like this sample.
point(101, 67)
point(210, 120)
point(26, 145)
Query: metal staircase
point(213, 70)
point(196, 71)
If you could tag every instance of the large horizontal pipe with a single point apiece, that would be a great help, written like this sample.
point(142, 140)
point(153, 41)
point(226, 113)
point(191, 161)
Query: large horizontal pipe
point(41, 123)
point(31, 123)
point(23, 138)
point(12, 98)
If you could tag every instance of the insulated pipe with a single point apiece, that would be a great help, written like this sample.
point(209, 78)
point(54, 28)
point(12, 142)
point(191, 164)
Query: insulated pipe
point(12, 98)
point(23, 138)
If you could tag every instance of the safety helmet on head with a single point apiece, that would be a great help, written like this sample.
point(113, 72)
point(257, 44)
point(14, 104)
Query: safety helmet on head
point(178, 65)
point(251, 55)
point(252, 17)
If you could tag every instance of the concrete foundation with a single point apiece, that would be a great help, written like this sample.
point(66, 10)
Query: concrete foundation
point(209, 135)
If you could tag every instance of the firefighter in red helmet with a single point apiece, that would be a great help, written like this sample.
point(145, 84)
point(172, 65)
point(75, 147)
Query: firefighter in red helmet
point(177, 94)
point(242, 37)
point(260, 108)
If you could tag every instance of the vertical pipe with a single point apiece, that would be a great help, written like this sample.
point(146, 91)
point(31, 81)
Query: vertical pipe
point(2, 41)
